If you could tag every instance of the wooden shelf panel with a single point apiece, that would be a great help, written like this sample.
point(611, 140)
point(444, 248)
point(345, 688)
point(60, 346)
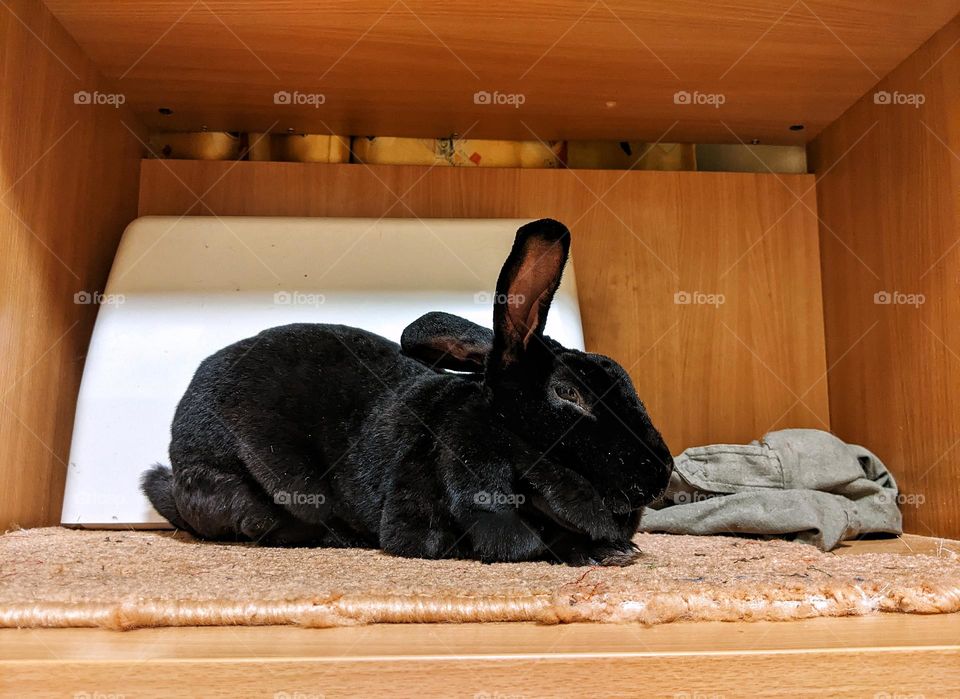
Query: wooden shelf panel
point(607, 70)
point(850, 656)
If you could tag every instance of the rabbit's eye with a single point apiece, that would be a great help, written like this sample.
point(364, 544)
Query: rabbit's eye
point(570, 394)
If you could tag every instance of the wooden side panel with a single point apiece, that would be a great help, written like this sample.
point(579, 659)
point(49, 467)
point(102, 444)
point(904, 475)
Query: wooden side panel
point(705, 286)
point(888, 193)
point(68, 186)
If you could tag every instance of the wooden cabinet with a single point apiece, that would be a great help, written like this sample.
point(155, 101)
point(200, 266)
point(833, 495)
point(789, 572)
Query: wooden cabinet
point(835, 294)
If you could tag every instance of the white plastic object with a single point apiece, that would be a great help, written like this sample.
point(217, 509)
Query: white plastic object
point(182, 288)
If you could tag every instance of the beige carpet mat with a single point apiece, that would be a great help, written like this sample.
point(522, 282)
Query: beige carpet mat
point(122, 579)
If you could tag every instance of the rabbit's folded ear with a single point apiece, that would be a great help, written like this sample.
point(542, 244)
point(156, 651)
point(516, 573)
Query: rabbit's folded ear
point(446, 341)
point(525, 288)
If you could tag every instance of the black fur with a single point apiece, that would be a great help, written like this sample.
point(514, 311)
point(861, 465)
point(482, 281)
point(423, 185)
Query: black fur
point(158, 484)
point(328, 435)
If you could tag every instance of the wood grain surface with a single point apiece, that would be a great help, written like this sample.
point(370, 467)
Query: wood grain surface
point(889, 198)
point(744, 356)
point(68, 187)
point(608, 69)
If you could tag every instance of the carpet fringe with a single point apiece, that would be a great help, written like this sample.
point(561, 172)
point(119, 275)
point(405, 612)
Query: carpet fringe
point(545, 609)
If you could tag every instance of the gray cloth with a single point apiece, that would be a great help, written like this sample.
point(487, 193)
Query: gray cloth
point(805, 484)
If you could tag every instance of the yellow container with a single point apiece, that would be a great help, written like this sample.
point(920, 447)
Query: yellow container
point(204, 145)
point(299, 148)
point(457, 152)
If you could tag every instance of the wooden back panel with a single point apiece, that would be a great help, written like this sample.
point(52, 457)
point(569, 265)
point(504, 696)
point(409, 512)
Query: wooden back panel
point(68, 185)
point(889, 197)
point(744, 356)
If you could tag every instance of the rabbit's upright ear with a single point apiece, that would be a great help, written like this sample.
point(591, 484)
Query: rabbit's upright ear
point(446, 341)
point(525, 289)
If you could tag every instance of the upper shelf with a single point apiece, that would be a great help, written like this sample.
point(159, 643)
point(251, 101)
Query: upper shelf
point(611, 69)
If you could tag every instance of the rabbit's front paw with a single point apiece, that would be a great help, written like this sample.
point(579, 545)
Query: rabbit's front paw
point(601, 553)
point(620, 553)
point(425, 543)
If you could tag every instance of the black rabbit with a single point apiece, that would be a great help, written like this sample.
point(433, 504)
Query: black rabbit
point(327, 435)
